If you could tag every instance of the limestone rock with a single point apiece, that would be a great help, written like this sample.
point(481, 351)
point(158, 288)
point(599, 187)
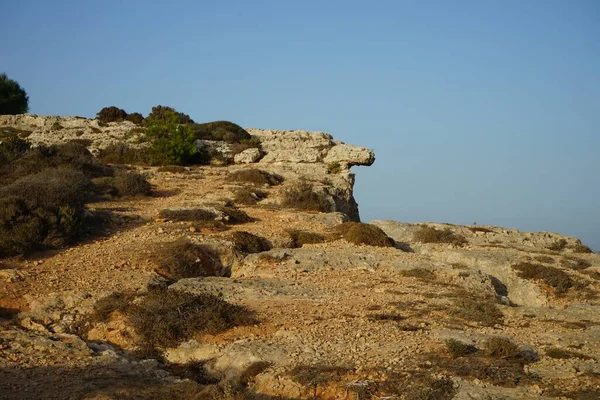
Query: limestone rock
point(247, 156)
point(350, 155)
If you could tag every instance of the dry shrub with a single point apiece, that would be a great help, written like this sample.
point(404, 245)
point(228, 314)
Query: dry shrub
point(212, 226)
point(416, 385)
point(476, 229)
point(165, 318)
point(544, 259)
point(316, 375)
point(499, 347)
point(174, 169)
point(386, 317)
point(580, 248)
point(132, 184)
point(300, 238)
point(359, 233)
point(553, 277)
point(187, 214)
point(456, 348)
point(481, 310)
point(420, 273)
point(575, 263)
point(249, 243)
point(302, 196)
point(555, 352)
point(234, 215)
point(121, 153)
point(558, 245)
point(184, 259)
point(250, 196)
point(428, 234)
point(256, 176)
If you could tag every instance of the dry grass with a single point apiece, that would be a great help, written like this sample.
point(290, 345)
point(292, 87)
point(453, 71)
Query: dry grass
point(427, 234)
point(544, 259)
point(249, 195)
point(558, 245)
point(302, 196)
point(315, 375)
point(174, 169)
point(481, 310)
point(359, 233)
point(499, 347)
point(187, 214)
point(234, 215)
point(456, 348)
point(420, 273)
point(255, 176)
point(417, 385)
point(300, 238)
point(184, 259)
point(575, 263)
point(249, 243)
point(553, 277)
point(555, 352)
point(132, 184)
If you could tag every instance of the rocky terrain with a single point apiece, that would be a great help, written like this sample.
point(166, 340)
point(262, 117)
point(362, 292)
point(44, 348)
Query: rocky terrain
point(443, 312)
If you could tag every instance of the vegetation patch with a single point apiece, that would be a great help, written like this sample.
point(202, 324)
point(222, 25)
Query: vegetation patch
point(359, 233)
point(255, 176)
point(317, 375)
point(121, 153)
point(580, 248)
point(555, 352)
point(499, 347)
point(416, 385)
point(334, 167)
point(302, 196)
point(184, 259)
point(187, 214)
point(111, 114)
point(553, 277)
point(249, 243)
point(456, 348)
point(386, 317)
point(167, 115)
point(132, 184)
point(428, 234)
point(476, 229)
point(174, 169)
point(249, 195)
point(558, 245)
point(575, 263)
point(420, 273)
point(544, 259)
point(221, 130)
point(233, 215)
point(481, 310)
point(299, 238)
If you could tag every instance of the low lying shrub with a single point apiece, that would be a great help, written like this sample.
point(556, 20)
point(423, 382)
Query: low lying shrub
point(302, 196)
point(249, 195)
point(300, 238)
point(167, 115)
point(174, 169)
point(580, 248)
point(555, 352)
point(420, 273)
point(256, 176)
point(234, 215)
point(557, 279)
point(221, 130)
point(184, 259)
point(456, 348)
point(121, 153)
point(187, 214)
point(334, 168)
point(558, 245)
point(249, 243)
point(173, 144)
point(359, 233)
point(136, 118)
point(131, 184)
point(575, 263)
point(427, 234)
point(499, 347)
point(480, 310)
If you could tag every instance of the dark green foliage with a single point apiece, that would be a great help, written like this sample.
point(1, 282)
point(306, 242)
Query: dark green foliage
point(553, 277)
point(302, 196)
point(131, 183)
point(111, 114)
point(136, 118)
point(480, 310)
point(174, 144)
point(359, 233)
point(249, 243)
point(456, 348)
point(184, 259)
point(427, 234)
point(249, 195)
point(121, 153)
point(166, 318)
point(221, 130)
point(167, 115)
point(13, 98)
point(299, 238)
point(256, 176)
point(187, 214)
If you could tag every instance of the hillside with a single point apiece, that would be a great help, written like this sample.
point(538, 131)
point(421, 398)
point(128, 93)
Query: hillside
point(312, 304)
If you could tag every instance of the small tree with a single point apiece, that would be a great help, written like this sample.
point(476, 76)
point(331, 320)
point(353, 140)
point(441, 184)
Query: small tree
point(13, 99)
point(111, 114)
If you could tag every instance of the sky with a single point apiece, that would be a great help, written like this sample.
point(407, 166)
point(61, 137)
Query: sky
point(478, 111)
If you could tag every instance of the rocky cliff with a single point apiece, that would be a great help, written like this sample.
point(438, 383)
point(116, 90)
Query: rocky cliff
point(435, 311)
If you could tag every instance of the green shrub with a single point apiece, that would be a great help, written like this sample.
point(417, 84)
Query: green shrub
point(184, 259)
point(136, 118)
point(427, 234)
point(167, 115)
point(174, 144)
point(13, 98)
point(221, 130)
point(187, 214)
point(111, 114)
point(334, 168)
point(359, 233)
point(302, 196)
point(300, 238)
point(131, 183)
point(553, 277)
point(255, 176)
point(248, 195)
point(249, 243)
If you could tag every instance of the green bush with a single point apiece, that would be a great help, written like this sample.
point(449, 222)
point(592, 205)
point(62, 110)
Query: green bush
point(302, 196)
point(111, 114)
point(359, 233)
point(174, 144)
point(167, 115)
point(136, 118)
point(13, 98)
point(184, 259)
point(221, 130)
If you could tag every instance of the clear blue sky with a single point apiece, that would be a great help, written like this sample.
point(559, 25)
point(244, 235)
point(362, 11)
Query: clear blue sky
point(484, 111)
